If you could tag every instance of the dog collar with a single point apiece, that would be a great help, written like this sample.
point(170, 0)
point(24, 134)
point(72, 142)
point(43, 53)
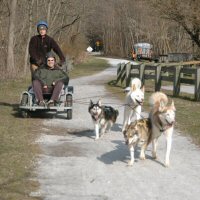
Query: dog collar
point(164, 128)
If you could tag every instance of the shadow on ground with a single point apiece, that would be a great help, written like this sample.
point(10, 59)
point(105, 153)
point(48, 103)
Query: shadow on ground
point(121, 153)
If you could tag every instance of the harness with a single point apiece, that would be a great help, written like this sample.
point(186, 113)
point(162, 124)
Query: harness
point(163, 128)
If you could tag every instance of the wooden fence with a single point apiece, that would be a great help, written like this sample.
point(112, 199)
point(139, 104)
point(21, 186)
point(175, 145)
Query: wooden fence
point(177, 73)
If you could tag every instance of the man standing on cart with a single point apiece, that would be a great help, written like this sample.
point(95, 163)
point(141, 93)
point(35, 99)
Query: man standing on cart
point(40, 45)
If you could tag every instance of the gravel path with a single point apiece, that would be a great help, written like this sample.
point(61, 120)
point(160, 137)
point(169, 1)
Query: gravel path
point(73, 166)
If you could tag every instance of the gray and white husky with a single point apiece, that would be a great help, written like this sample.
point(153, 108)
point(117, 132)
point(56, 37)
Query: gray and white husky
point(103, 117)
point(133, 102)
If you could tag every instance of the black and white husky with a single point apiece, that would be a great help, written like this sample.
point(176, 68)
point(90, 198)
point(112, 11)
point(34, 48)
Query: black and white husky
point(103, 117)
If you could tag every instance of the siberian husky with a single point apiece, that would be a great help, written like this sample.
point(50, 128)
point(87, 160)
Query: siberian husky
point(162, 118)
point(133, 101)
point(138, 133)
point(103, 117)
point(144, 131)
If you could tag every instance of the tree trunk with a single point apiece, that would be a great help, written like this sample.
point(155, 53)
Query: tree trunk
point(49, 11)
point(10, 56)
point(29, 35)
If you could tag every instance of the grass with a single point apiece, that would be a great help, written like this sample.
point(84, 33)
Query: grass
point(187, 110)
point(17, 152)
point(90, 66)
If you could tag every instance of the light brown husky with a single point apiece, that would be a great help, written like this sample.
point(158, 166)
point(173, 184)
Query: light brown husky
point(162, 118)
point(138, 133)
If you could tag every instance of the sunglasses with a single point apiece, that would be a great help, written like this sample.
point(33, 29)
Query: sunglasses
point(50, 60)
point(42, 28)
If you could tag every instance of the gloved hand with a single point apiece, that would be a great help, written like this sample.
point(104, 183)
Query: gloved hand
point(45, 89)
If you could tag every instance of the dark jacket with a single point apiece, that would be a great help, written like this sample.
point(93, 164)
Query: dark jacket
point(47, 76)
point(39, 47)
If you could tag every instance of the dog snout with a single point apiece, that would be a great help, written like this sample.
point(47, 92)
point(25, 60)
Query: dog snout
point(141, 101)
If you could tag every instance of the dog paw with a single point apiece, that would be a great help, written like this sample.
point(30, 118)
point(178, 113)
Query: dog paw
point(142, 158)
point(154, 156)
point(166, 164)
point(130, 163)
point(102, 134)
point(96, 138)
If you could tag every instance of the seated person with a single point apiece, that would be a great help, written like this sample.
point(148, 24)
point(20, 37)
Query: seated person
point(49, 79)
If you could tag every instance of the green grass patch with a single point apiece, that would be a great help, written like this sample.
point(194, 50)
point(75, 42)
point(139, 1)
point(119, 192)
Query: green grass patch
point(91, 66)
point(187, 110)
point(17, 151)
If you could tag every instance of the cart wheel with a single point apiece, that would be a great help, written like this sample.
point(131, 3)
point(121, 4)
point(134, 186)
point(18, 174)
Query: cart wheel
point(69, 100)
point(25, 114)
point(24, 100)
point(69, 114)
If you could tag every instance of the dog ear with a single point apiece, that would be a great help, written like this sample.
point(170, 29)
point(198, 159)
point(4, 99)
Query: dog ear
point(99, 102)
point(172, 106)
point(143, 88)
point(91, 103)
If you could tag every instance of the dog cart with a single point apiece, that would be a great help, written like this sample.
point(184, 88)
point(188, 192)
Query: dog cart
point(28, 103)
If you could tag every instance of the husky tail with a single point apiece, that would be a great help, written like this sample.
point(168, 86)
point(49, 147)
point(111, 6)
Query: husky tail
point(158, 98)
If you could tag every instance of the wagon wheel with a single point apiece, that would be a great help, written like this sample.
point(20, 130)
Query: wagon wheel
point(24, 100)
point(69, 114)
point(25, 114)
point(69, 102)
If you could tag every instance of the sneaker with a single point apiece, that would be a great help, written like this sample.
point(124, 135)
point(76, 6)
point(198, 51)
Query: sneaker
point(50, 103)
point(41, 103)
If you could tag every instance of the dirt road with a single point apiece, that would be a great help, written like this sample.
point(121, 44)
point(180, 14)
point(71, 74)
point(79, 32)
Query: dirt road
point(73, 166)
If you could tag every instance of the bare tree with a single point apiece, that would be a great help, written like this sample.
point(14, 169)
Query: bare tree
point(30, 11)
point(184, 13)
point(11, 35)
point(171, 26)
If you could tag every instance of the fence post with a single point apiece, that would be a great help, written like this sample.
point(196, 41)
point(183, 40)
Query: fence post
point(128, 71)
point(197, 84)
point(118, 68)
point(158, 78)
point(120, 71)
point(141, 73)
point(176, 89)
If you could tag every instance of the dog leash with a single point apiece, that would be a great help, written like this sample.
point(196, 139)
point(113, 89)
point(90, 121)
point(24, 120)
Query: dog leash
point(133, 108)
point(97, 96)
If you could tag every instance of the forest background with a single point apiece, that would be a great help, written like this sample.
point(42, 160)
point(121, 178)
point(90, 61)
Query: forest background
point(170, 25)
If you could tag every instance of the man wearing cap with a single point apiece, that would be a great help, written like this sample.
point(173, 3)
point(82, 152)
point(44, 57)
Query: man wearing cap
point(40, 45)
point(49, 79)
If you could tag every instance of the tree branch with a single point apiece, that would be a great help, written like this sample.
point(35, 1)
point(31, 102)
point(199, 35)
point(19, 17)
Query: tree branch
point(66, 25)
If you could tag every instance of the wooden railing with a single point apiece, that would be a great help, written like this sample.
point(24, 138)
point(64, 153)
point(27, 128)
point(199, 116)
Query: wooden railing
point(177, 73)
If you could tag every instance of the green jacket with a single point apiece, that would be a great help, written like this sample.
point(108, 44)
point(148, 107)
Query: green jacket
point(47, 76)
